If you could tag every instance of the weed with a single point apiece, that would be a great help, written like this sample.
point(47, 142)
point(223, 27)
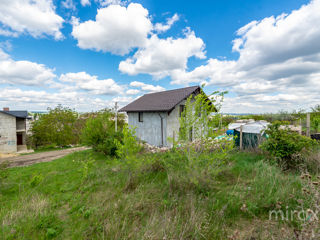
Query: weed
point(36, 180)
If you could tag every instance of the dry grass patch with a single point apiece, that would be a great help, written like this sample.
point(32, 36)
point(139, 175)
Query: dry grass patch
point(28, 207)
point(258, 229)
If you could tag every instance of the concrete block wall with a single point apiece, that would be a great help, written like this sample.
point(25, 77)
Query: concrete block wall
point(21, 124)
point(173, 123)
point(150, 129)
point(8, 135)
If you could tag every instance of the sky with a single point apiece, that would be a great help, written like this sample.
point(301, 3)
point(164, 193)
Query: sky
point(89, 54)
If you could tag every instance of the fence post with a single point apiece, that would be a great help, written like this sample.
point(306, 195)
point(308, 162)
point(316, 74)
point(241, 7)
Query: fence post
point(308, 125)
point(300, 123)
point(174, 138)
point(241, 139)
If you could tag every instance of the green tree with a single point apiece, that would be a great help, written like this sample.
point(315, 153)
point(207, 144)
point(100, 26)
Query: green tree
point(55, 128)
point(195, 119)
point(99, 132)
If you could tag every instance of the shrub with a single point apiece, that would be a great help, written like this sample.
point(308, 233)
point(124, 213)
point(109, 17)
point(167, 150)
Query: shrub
point(99, 133)
point(129, 145)
point(315, 123)
point(56, 127)
point(287, 146)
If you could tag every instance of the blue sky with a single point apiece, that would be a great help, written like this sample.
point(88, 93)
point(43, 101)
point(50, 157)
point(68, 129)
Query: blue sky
point(88, 54)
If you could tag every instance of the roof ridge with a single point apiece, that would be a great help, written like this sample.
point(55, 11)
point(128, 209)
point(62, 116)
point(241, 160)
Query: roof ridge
point(172, 90)
point(160, 101)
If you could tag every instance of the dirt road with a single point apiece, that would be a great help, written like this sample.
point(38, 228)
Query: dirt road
point(25, 160)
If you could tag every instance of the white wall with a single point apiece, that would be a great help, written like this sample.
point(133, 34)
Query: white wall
point(8, 135)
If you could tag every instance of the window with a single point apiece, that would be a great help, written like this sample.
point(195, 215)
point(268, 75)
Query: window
point(140, 116)
point(182, 108)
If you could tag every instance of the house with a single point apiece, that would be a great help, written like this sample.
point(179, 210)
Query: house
point(155, 116)
point(13, 130)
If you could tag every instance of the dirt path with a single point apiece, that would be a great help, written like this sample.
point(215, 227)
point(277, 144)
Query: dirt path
point(25, 160)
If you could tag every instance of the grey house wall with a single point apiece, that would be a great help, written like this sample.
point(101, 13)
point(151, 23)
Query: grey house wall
point(8, 135)
point(150, 129)
point(173, 123)
point(21, 124)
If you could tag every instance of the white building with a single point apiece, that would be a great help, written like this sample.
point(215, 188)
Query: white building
point(13, 130)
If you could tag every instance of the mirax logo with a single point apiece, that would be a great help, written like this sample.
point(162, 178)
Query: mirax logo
point(301, 215)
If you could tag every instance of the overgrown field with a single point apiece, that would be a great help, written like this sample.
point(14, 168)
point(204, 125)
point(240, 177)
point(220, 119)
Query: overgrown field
point(87, 195)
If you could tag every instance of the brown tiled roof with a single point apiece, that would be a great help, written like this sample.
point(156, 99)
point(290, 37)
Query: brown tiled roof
point(160, 101)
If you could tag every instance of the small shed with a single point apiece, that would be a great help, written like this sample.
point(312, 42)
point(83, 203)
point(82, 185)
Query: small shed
point(253, 133)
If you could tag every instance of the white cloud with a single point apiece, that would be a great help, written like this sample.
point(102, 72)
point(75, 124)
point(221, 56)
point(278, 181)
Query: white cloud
point(8, 33)
point(112, 2)
point(37, 18)
point(161, 56)
point(87, 82)
point(116, 29)
point(24, 72)
point(122, 100)
point(278, 64)
point(68, 4)
point(221, 72)
point(132, 91)
point(147, 87)
point(278, 39)
point(17, 98)
point(3, 55)
point(85, 2)
point(159, 27)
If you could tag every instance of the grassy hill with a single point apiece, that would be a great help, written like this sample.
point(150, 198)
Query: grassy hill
point(153, 196)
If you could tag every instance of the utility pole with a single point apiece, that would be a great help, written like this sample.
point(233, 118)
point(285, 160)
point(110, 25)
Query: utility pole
point(308, 125)
point(116, 115)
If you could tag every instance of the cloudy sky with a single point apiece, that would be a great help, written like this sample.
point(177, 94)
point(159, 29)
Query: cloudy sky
point(87, 54)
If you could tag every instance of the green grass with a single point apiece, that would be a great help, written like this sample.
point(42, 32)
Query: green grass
point(47, 149)
point(86, 195)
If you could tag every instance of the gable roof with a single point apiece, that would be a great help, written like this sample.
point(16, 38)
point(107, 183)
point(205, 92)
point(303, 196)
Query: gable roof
point(17, 114)
point(160, 101)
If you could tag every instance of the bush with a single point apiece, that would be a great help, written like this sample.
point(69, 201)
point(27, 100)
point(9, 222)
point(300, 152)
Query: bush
point(286, 146)
point(99, 133)
point(56, 127)
point(129, 145)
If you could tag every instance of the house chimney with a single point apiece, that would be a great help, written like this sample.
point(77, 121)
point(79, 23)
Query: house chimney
point(6, 109)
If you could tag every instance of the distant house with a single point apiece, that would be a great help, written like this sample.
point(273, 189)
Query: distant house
point(13, 130)
point(155, 116)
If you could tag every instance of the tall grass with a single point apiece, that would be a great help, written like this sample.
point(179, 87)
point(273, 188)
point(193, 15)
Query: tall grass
point(165, 196)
